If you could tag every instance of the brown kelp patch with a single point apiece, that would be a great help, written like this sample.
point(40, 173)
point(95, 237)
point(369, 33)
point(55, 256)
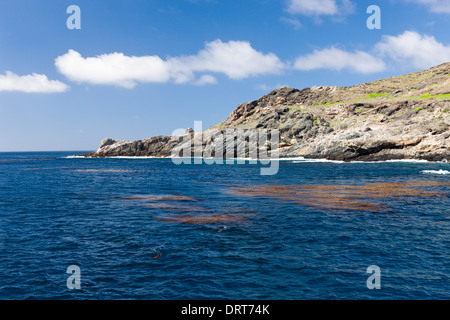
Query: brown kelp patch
point(160, 198)
point(349, 197)
point(177, 207)
point(174, 203)
point(159, 255)
point(185, 209)
point(201, 219)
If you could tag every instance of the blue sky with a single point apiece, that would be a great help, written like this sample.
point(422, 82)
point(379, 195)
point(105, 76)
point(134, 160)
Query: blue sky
point(140, 68)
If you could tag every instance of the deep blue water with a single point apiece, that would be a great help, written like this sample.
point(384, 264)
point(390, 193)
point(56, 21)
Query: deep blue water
point(65, 211)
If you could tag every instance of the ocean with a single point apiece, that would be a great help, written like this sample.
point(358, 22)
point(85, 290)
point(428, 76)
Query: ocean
point(150, 229)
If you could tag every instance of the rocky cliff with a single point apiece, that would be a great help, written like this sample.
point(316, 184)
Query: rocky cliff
point(403, 117)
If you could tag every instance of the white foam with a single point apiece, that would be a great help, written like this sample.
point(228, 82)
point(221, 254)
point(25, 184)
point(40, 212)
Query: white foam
point(292, 160)
point(408, 160)
point(132, 157)
point(303, 160)
point(317, 161)
point(118, 157)
point(436, 171)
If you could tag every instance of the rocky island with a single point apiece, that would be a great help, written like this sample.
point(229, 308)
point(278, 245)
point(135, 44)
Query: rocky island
point(403, 117)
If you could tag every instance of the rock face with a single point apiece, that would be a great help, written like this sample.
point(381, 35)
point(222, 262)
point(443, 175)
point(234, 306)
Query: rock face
point(404, 117)
point(157, 146)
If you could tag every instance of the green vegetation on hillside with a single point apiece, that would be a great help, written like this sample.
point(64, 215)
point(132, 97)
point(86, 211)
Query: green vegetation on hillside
point(377, 95)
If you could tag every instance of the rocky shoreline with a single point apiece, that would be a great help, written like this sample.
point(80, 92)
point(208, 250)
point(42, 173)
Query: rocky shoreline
point(404, 117)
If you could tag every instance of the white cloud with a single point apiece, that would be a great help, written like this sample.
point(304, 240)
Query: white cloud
point(313, 7)
point(239, 60)
point(295, 23)
point(410, 48)
point(320, 7)
point(205, 79)
point(439, 6)
point(235, 59)
point(34, 83)
point(114, 68)
point(422, 51)
point(338, 59)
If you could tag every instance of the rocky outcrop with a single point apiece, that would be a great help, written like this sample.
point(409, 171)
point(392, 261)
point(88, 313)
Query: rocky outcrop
point(157, 146)
point(404, 117)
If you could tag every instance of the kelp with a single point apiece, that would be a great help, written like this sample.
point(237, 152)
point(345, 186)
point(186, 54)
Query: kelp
point(349, 197)
point(201, 219)
point(181, 210)
point(160, 198)
point(177, 207)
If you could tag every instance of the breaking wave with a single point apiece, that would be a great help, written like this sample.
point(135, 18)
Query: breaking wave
point(435, 171)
